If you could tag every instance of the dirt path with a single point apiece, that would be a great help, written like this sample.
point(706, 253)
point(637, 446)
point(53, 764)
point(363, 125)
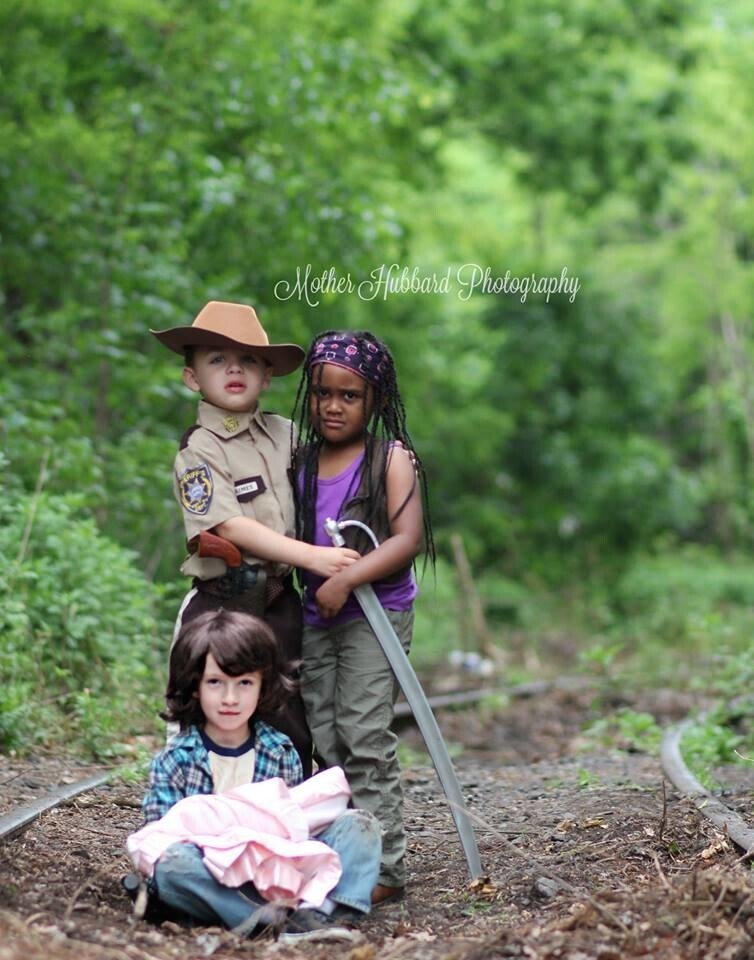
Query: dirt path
point(587, 856)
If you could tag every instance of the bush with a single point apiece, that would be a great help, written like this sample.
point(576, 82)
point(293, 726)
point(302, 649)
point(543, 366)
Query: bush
point(691, 577)
point(79, 651)
point(436, 627)
point(710, 743)
point(686, 613)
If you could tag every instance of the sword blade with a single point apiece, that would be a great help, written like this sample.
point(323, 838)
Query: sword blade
point(425, 719)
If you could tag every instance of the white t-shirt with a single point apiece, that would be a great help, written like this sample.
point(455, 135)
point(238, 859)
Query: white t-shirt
point(230, 766)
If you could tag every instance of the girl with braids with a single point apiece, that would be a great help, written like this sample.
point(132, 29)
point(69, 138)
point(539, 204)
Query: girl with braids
point(355, 460)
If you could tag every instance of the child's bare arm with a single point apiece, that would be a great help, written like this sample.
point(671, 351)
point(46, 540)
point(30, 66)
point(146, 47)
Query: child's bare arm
point(403, 544)
point(267, 544)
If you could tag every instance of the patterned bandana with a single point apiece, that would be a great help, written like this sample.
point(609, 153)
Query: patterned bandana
point(362, 357)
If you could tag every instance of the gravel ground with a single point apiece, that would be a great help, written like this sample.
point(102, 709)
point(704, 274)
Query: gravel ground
point(587, 854)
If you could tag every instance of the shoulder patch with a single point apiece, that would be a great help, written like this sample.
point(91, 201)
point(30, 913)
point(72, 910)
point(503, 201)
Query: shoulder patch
point(195, 488)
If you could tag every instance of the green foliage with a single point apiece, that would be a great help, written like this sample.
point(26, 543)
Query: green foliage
point(79, 652)
point(136, 771)
point(682, 618)
point(588, 94)
point(437, 626)
point(734, 676)
point(599, 657)
point(154, 155)
point(626, 729)
point(686, 611)
point(152, 158)
point(690, 576)
point(410, 758)
point(581, 465)
point(708, 744)
point(587, 779)
point(186, 175)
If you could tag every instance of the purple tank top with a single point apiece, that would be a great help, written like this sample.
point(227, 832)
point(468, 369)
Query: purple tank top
point(332, 495)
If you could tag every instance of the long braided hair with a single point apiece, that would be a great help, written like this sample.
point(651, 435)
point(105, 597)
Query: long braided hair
point(385, 422)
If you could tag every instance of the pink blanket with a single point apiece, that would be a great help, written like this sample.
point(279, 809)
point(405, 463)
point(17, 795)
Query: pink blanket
point(258, 832)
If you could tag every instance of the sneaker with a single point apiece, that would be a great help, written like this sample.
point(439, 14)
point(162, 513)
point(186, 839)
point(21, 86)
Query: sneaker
point(310, 924)
point(266, 917)
point(347, 916)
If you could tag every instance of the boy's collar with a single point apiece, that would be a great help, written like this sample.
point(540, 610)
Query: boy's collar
point(211, 746)
point(225, 423)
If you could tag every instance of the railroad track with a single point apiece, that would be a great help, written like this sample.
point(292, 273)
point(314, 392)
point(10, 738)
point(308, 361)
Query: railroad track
point(671, 757)
point(673, 766)
point(25, 814)
point(709, 806)
point(60, 882)
point(463, 698)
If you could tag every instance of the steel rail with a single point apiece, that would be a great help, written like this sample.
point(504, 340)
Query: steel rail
point(710, 807)
point(23, 816)
point(462, 698)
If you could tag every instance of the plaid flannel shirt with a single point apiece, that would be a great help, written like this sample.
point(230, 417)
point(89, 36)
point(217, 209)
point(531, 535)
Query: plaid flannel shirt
point(182, 769)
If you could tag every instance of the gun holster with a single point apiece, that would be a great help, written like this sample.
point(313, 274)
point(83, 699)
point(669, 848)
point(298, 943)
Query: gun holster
point(240, 588)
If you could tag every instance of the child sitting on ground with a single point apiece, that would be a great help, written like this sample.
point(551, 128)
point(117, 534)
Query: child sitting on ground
point(224, 672)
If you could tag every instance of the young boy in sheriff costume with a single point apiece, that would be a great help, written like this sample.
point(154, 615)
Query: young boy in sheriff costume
point(232, 480)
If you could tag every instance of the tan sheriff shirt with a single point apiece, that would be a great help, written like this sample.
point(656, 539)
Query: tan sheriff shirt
point(230, 465)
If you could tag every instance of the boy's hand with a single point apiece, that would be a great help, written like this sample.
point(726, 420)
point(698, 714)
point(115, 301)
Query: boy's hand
point(327, 561)
point(332, 595)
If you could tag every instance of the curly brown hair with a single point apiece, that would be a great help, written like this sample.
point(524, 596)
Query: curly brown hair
point(240, 643)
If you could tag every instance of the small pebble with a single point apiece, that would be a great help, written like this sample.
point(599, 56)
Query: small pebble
point(544, 889)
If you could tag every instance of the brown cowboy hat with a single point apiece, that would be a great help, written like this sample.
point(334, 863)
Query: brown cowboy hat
point(234, 324)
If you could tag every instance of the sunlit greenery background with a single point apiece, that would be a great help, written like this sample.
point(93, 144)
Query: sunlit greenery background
point(595, 455)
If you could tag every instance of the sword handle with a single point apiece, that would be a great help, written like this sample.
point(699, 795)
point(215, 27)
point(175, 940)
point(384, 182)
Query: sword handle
point(333, 531)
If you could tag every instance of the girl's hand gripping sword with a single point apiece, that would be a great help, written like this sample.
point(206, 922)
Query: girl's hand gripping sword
point(417, 700)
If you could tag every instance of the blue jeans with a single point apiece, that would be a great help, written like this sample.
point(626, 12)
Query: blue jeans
point(185, 884)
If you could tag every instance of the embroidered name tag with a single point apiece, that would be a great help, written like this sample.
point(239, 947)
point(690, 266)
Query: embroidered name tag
point(249, 488)
point(195, 488)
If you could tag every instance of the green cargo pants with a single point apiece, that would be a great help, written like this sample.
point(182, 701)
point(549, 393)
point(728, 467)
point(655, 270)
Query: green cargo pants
point(349, 691)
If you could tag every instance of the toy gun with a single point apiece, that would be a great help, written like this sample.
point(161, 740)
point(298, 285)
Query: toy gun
point(206, 544)
point(243, 586)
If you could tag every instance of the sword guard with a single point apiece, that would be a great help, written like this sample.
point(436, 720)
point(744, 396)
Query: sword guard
point(333, 531)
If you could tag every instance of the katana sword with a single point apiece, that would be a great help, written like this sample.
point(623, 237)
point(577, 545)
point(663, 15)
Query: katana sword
point(416, 698)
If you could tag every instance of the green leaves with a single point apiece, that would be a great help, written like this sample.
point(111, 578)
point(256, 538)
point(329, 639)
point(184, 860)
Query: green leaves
point(80, 649)
point(155, 154)
point(588, 92)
